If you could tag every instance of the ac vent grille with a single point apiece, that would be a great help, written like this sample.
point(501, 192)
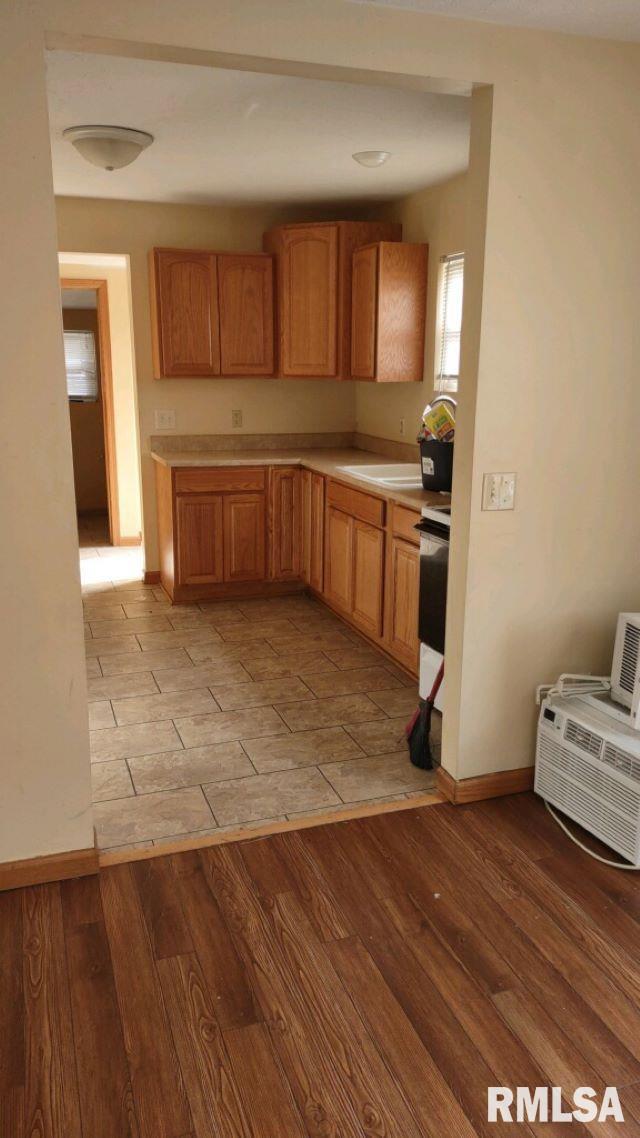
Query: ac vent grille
point(583, 738)
point(629, 661)
point(622, 761)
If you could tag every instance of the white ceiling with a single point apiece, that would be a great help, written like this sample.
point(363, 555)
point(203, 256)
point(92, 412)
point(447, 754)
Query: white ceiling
point(611, 19)
point(233, 136)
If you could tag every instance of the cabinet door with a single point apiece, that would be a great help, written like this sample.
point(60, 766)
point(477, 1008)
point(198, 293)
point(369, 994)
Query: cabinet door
point(285, 523)
point(244, 537)
point(368, 576)
point(306, 526)
point(338, 576)
point(309, 301)
point(199, 539)
point(403, 583)
point(316, 552)
point(186, 328)
point(364, 312)
point(245, 294)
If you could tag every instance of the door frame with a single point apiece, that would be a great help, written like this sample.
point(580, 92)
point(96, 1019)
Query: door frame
point(106, 395)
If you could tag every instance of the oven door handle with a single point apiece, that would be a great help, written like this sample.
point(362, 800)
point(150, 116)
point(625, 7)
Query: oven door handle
point(434, 529)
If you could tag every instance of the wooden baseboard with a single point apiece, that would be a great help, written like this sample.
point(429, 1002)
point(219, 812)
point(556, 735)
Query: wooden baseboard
point(484, 786)
point(129, 540)
point(152, 576)
point(52, 867)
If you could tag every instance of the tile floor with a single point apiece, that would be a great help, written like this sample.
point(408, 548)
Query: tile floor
point(229, 715)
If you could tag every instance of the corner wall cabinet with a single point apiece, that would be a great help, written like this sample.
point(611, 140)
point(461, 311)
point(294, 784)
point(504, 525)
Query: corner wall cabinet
point(389, 298)
point(211, 313)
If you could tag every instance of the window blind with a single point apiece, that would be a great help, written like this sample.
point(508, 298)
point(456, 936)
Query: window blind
point(450, 322)
point(82, 369)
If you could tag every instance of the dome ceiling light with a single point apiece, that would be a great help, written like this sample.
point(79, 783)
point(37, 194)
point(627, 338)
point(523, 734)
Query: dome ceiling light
point(371, 157)
point(110, 147)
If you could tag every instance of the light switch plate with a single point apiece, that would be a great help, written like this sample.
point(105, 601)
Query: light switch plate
point(498, 491)
point(236, 418)
point(164, 420)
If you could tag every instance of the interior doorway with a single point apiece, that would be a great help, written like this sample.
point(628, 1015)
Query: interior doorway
point(85, 318)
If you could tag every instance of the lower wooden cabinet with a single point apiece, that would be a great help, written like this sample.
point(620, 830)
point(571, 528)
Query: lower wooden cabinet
point(199, 559)
point(313, 529)
point(368, 577)
point(403, 585)
point(285, 523)
point(244, 525)
point(338, 565)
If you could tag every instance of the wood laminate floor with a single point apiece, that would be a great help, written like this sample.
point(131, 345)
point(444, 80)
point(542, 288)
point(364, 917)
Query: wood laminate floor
point(368, 977)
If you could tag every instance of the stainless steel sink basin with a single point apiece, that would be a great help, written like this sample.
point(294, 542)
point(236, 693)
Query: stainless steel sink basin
point(393, 475)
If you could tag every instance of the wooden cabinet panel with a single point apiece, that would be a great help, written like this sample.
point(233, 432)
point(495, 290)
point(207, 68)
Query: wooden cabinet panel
point(218, 478)
point(306, 527)
point(362, 505)
point(368, 577)
point(338, 574)
point(185, 322)
point(309, 301)
point(245, 294)
point(199, 539)
point(244, 537)
point(285, 523)
point(364, 312)
point(316, 556)
point(403, 523)
point(401, 616)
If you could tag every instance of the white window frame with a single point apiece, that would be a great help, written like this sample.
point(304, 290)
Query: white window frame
point(444, 381)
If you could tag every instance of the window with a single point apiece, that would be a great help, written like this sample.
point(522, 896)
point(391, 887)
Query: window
point(450, 322)
point(82, 369)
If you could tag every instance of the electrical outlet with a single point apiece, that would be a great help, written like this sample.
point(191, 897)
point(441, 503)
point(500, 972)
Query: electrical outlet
point(498, 491)
point(236, 418)
point(402, 426)
point(164, 420)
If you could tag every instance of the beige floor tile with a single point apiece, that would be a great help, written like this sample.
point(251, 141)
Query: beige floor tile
point(227, 725)
point(246, 827)
point(297, 664)
point(145, 662)
point(221, 609)
point(100, 715)
point(232, 697)
point(141, 739)
point(93, 667)
point(264, 795)
point(245, 653)
point(351, 681)
point(204, 619)
point(332, 712)
point(352, 657)
point(167, 705)
point(121, 687)
point(150, 816)
point(400, 701)
point(95, 589)
point(380, 737)
point(302, 749)
point(102, 610)
point(314, 642)
point(150, 607)
point(346, 807)
point(182, 638)
point(358, 780)
point(257, 630)
point(194, 836)
point(174, 769)
point(141, 624)
point(127, 846)
point(312, 622)
point(111, 645)
point(271, 608)
point(201, 676)
point(110, 780)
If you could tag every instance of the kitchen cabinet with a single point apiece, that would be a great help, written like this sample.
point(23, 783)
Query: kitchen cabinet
point(211, 313)
point(389, 296)
point(313, 529)
point(338, 576)
point(244, 523)
point(401, 617)
point(368, 577)
point(313, 274)
point(199, 539)
point(285, 523)
point(354, 555)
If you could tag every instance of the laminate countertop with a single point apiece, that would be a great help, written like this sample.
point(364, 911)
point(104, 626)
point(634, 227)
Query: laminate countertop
point(322, 460)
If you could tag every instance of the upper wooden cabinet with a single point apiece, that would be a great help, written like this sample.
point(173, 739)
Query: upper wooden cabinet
point(389, 296)
point(245, 293)
point(313, 266)
point(211, 313)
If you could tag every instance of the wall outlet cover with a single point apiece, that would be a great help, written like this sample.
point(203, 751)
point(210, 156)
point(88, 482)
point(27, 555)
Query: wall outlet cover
point(498, 491)
point(164, 420)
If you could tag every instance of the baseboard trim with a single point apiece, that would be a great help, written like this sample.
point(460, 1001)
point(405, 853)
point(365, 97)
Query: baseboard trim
point(51, 867)
point(132, 541)
point(152, 576)
point(484, 786)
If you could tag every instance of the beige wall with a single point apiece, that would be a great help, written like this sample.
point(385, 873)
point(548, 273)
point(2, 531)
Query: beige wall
point(123, 380)
point(202, 406)
point(87, 428)
point(436, 216)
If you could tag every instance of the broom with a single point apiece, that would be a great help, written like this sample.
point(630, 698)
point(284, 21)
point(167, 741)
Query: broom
point(418, 729)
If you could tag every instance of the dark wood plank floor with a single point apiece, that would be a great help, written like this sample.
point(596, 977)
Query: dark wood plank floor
point(363, 978)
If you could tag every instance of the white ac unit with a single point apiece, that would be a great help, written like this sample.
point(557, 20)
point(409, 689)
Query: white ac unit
point(588, 766)
point(625, 671)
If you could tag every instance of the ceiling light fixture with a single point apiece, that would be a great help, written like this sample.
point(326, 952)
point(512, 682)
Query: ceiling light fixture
point(371, 157)
point(110, 147)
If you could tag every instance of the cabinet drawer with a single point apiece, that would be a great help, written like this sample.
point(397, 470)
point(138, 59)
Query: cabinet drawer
point(403, 522)
point(219, 478)
point(354, 502)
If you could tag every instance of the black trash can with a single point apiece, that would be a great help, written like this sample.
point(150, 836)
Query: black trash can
point(436, 461)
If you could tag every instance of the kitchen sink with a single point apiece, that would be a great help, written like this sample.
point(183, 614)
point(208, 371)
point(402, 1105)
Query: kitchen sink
point(393, 475)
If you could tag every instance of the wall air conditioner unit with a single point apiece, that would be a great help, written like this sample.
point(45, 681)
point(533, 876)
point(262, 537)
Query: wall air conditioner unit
point(625, 672)
point(588, 764)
